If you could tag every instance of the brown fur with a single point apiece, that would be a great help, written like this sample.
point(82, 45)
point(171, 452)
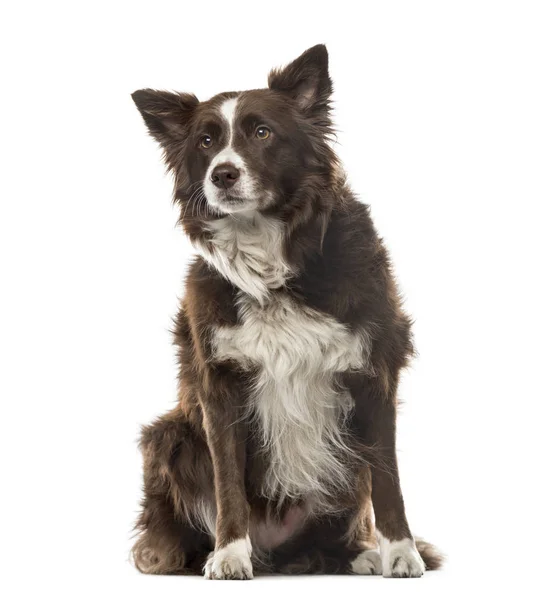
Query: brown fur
point(204, 451)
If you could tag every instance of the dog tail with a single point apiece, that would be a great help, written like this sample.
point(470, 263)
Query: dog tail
point(432, 557)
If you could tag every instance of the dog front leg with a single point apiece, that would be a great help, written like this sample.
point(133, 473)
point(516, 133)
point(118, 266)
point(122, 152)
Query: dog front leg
point(226, 436)
point(375, 406)
point(399, 555)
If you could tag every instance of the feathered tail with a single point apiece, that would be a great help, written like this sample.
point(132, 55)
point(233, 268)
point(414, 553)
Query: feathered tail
point(433, 559)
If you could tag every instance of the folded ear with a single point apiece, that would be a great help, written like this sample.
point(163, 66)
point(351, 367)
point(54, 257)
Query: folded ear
point(166, 114)
point(306, 80)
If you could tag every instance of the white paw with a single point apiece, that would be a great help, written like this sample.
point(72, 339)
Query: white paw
point(367, 563)
point(230, 562)
point(401, 559)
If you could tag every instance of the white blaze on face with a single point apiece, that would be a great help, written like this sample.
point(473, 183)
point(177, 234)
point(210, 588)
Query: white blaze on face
point(244, 188)
point(228, 111)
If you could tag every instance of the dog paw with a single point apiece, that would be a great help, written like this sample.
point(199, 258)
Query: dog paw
point(367, 563)
point(230, 562)
point(401, 559)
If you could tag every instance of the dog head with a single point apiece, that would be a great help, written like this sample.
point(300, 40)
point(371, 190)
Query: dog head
point(249, 150)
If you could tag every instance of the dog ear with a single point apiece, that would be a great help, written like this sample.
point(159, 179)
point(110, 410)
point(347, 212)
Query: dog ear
point(306, 80)
point(166, 114)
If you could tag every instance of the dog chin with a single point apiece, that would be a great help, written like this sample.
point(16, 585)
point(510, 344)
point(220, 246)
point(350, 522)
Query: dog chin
point(232, 204)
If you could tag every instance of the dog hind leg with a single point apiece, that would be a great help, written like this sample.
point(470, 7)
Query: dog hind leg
point(176, 481)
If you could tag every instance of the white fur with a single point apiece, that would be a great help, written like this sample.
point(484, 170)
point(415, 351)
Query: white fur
point(245, 187)
point(400, 558)
point(203, 516)
point(228, 110)
point(295, 398)
point(367, 563)
point(230, 562)
point(247, 250)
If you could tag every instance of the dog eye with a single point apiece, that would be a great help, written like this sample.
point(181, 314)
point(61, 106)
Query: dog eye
point(263, 133)
point(206, 141)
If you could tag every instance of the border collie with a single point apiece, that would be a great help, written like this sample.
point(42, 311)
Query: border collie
point(280, 454)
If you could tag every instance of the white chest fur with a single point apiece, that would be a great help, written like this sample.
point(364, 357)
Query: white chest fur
point(295, 351)
point(247, 249)
point(295, 399)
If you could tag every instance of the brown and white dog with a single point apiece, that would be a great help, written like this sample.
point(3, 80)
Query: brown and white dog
point(280, 454)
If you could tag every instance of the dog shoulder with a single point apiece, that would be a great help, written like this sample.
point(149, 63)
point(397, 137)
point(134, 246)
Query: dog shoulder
point(347, 277)
point(209, 299)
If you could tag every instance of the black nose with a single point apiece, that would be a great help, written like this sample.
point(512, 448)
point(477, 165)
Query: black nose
point(225, 175)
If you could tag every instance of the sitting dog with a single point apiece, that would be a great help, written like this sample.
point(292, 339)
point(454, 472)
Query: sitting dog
point(280, 454)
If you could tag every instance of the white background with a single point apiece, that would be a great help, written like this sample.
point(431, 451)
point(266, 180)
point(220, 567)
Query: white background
point(435, 105)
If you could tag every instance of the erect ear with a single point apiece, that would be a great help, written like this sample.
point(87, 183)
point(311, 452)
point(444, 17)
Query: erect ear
point(166, 114)
point(306, 80)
